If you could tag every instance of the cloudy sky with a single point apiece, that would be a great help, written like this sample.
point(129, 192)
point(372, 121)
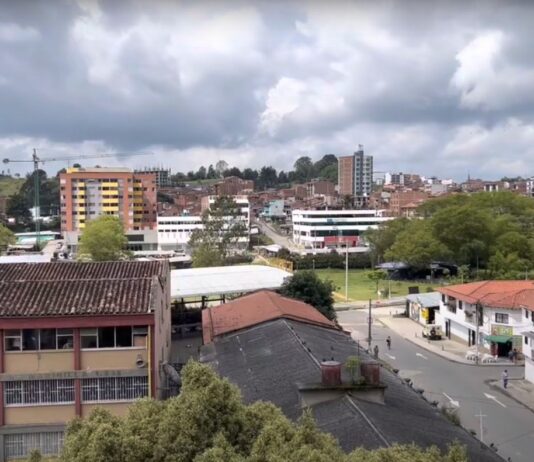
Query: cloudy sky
point(442, 88)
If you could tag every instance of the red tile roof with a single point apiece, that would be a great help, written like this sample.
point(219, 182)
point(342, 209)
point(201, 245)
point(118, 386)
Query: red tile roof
point(79, 289)
point(497, 294)
point(257, 308)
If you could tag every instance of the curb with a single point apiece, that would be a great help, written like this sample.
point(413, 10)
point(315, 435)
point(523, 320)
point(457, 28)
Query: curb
point(491, 384)
point(457, 361)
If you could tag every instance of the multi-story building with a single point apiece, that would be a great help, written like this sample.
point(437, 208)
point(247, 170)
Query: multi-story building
point(328, 229)
point(400, 199)
point(87, 193)
point(494, 309)
point(233, 186)
point(355, 177)
point(529, 187)
point(274, 209)
point(163, 179)
point(74, 336)
point(320, 187)
point(174, 232)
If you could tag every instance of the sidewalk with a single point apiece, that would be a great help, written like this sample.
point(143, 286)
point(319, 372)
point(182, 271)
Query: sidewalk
point(519, 390)
point(448, 349)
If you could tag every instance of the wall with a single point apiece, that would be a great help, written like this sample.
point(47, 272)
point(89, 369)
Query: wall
point(21, 362)
point(162, 331)
point(29, 415)
point(113, 358)
point(118, 409)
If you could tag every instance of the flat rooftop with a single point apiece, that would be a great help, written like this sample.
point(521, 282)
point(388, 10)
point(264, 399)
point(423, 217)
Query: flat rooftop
point(222, 280)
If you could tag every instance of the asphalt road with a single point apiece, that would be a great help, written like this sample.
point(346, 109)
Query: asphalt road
point(506, 423)
point(277, 238)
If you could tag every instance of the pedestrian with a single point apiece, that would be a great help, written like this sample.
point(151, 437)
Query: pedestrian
point(376, 351)
point(388, 342)
point(511, 355)
point(504, 379)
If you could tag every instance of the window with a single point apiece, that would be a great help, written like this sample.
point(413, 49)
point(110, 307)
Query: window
point(37, 392)
point(501, 318)
point(526, 314)
point(460, 305)
point(114, 337)
point(114, 389)
point(89, 338)
point(19, 445)
point(526, 340)
point(38, 339)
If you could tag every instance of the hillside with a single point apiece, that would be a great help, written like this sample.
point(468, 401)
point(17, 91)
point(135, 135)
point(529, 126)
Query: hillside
point(10, 185)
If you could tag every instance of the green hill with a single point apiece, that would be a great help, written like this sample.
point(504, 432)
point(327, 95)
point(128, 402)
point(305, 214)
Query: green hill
point(10, 185)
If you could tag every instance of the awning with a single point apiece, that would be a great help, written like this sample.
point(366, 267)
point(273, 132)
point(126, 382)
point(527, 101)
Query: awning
point(498, 338)
point(528, 334)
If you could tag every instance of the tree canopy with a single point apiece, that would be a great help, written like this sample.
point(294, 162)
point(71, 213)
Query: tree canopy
point(103, 239)
point(6, 237)
point(308, 287)
point(482, 230)
point(222, 228)
point(208, 422)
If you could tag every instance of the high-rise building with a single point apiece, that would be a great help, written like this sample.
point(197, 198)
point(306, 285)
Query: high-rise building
point(355, 177)
point(87, 193)
point(163, 179)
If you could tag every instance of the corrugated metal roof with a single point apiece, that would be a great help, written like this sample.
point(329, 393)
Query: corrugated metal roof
point(220, 280)
point(426, 300)
point(78, 289)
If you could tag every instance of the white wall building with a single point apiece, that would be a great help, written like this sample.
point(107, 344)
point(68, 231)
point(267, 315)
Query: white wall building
point(501, 320)
point(328, 229)
point(174, 232)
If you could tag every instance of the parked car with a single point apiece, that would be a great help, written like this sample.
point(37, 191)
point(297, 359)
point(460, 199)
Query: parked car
point(432, 332)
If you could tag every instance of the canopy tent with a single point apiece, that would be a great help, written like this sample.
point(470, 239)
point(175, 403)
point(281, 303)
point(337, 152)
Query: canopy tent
point(499, 338)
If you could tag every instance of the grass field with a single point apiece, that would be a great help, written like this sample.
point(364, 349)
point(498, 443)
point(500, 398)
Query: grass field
point(10, 186)
point(361, 288)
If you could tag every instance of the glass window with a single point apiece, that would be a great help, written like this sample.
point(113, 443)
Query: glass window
point(139, 336)
point(47, 339)
point(13, 340)
point(65, 339)
point(30, 339)
point(106, 337)
point(501, 318)
point(124, 336)
point(89, 338)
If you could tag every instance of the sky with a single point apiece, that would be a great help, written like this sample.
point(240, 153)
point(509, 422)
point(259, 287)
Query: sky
point(436, 88)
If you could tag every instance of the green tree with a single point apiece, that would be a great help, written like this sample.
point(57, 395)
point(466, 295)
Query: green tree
point(223, 227)
point(6, 237)
point(267, 178)
point(208, 422)
point(417, 246)
point(383, 237)
point(18, 209)
point(308, 287)
point(304, 169)
point(327, 168)
point(377, 276)
point(103, 239)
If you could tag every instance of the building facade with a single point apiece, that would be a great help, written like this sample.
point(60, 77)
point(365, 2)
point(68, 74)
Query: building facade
point(233, 186)
point(330, 229)
point(87, 193)
point(491, 309)
point(162, 175)
point(355, 177)
point(63, 354)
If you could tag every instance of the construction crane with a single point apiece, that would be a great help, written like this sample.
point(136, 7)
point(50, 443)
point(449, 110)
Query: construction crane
point(37, 160)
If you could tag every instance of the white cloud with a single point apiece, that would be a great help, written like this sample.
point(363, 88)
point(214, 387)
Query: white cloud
point(11, 32)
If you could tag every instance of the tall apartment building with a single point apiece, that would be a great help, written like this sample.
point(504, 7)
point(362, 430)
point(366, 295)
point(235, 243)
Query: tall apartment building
point(63, 354)
point(355, 177)
point(87, 193)
point(163, 175)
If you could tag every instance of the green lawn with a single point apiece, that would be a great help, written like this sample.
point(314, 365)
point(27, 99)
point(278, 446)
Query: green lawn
point(361, 288)
point(10, 186)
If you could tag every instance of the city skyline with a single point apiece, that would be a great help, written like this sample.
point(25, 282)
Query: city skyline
point(442, 89)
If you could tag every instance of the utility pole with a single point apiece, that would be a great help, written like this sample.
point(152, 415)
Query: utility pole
point(481, 417)
point(36, 199)
point(346, 272)
point(369, 322)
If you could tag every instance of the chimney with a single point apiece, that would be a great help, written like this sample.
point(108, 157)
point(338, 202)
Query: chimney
point(370, 371)
point(331, 373)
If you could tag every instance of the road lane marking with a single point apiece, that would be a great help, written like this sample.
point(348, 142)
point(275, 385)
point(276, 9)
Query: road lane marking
point(421, 355)
point(390, 357)
point(453, 402)
point(493, 398)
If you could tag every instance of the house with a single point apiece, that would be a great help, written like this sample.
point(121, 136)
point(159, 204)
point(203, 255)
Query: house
point(422, 307)
point(284, 351)
point(74, 336)
point(494, 309)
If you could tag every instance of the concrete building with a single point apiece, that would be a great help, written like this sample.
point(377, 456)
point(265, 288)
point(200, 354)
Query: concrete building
point(74, 336)
point(330, 229)
point(529, 187)
point(398, 200)
point(163, 175)
point(320, 188)
point(87, 193)
point(497, 307)
point(233, 186)
point(242, 203)
point(355, 177)
point(274, 209)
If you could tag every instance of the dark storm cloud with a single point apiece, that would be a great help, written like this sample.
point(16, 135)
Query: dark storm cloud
point(429, 86)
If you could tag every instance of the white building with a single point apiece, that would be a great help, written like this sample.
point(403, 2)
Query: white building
point(329, 229)
point(497, 308)
point(174, 232)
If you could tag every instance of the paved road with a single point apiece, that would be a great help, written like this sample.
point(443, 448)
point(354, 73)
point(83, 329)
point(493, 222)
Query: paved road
point(507, 424)
point(279, 239)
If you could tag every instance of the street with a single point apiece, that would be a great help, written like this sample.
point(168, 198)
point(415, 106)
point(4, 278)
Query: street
point(278, 239)
point(505, 423)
